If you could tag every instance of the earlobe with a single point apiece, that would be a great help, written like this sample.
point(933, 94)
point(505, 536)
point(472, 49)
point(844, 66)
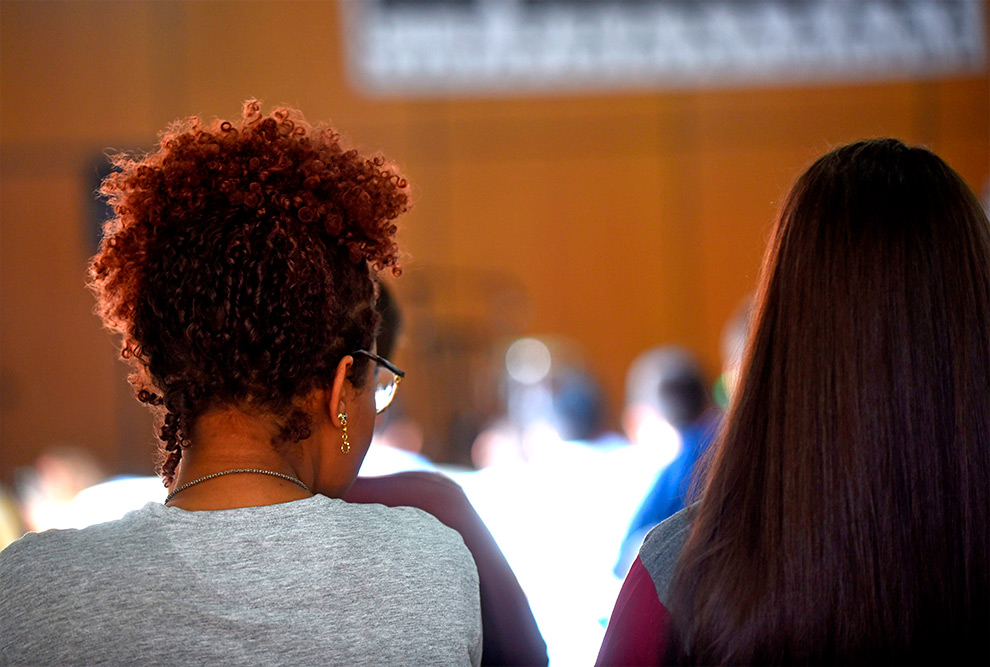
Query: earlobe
point(340, 415)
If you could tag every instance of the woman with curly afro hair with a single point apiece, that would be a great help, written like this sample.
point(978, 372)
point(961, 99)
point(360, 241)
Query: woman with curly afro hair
point(239, 269)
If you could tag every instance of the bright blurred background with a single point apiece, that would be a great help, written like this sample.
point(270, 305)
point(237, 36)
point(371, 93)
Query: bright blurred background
point(596, 170)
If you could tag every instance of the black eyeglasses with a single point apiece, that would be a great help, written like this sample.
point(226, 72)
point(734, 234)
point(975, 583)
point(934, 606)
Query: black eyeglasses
point(387, 378)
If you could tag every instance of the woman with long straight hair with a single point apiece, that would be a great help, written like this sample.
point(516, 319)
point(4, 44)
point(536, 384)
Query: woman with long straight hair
point(845, 514)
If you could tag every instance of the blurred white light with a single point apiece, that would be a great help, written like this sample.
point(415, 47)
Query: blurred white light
point(527, 361)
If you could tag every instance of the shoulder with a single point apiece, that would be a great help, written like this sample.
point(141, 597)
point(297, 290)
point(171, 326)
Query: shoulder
point(399, 530)
point(28, 569)
point(406, 551)
point(58, 545)
point(41, 573)
point(662, 548)
point(405, 488)
point(638, 627)
point(431, 492)
point(24, 554)
point(382, 509)
point(61, 551)
point(637, 631)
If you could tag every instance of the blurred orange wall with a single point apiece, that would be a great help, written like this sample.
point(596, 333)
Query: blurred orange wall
point(630, 219)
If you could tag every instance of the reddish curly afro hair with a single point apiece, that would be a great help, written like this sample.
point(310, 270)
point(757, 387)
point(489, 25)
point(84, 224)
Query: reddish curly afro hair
point(239, 266)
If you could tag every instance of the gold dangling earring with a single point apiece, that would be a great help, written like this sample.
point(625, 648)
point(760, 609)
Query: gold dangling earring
point(345, 443)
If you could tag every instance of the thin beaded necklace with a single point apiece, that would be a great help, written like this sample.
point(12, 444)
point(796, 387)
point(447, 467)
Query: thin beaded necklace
point(229, 472)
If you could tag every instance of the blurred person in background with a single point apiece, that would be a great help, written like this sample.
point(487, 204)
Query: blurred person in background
point(577, 406)
point(553, 495)
point(846, 515)
point(555, 408)
point(666, 392)
point(240, 271)
point(47, 488)
point(509, 631)
point(398, 440)
point(11, 525)
point(735, 333)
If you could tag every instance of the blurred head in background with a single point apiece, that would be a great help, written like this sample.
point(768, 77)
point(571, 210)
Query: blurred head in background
point(735, 333)
point(665, 392)
point(551, 396)
point(577, 404)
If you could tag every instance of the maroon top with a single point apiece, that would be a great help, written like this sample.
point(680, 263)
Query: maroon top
point(637, 630)
point(510, 633)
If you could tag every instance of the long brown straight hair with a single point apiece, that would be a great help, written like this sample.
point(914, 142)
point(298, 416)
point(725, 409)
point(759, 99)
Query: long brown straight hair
point(845, 514)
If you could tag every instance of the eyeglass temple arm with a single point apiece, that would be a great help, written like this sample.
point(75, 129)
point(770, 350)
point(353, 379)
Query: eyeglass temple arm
point(383, 361)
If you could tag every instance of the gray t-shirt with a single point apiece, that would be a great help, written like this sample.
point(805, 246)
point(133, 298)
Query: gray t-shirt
point(662, 548)
point(315, 581)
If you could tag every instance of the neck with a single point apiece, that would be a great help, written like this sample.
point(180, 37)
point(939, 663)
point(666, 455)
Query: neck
point(235, 439)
